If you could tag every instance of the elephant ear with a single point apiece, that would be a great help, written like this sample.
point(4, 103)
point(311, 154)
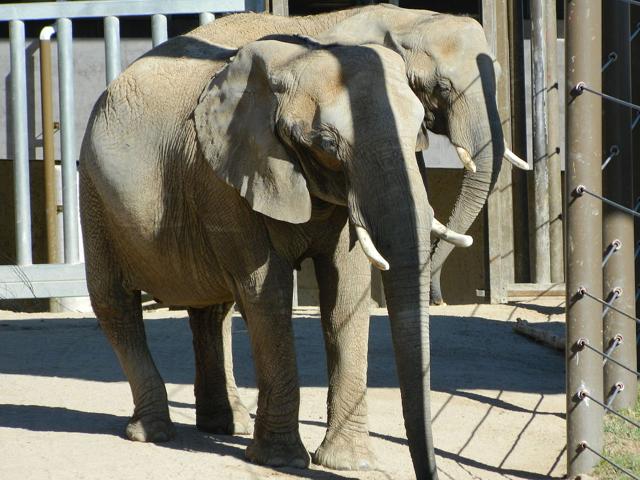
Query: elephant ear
point(235, 123)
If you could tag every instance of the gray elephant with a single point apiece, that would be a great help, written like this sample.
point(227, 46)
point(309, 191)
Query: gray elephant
point(204, 178)
point(449, 66)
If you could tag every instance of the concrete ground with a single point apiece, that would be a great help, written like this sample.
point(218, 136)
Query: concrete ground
point(498, 403)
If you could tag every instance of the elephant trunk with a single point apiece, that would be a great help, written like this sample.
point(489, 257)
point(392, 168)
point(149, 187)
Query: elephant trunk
point(401, 232)
point(406, 290)
point(474, 126)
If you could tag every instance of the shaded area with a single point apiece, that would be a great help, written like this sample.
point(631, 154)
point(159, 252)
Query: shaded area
point(55, 419)
point(468, 353)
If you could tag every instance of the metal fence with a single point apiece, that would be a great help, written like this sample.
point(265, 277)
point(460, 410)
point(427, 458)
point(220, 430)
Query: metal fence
point(26, 280)
point(601, 316)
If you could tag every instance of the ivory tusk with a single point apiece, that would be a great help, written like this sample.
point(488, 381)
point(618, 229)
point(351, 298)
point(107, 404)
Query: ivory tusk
point(514, 159)
point(466, 159)
point(370, 250)
point(457, 239)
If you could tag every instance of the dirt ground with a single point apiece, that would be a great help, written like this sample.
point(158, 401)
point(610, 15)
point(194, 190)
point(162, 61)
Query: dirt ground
point(498, 402)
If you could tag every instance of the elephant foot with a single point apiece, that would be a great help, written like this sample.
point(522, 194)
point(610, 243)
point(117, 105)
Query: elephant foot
point(352, 453)
point(278, 450)
point(232, 421)
point(154, 429)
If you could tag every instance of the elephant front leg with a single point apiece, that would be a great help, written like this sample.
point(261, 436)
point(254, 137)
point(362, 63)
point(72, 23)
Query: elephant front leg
point(218, 405)
point(344, 279)
point(265, 301)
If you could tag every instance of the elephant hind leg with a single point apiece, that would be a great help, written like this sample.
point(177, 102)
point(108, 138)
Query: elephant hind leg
point(218, 405)
point(119, 312)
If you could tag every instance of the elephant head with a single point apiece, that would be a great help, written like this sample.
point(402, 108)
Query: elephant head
point(287, 122)
point(451, 69)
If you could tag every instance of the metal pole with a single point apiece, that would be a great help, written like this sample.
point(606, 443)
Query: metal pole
point(158, 29)
point(556, 256)
point(618, 225)
point(519, 141)
point(583, 56)
point(542, 271)
point(67, 140)
point(49, 163)
point(20, 143)
point(499, 219)
point(112, 48)
point(206, 17)
point(280, 7)
point(635, 90)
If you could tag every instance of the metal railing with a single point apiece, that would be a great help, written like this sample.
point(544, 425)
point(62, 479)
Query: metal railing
point(601, 319)
point(26, 280)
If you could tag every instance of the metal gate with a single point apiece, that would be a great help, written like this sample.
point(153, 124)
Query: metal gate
point(25, 279)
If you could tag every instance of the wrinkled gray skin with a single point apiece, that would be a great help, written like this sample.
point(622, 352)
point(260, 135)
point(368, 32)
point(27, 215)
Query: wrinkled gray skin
point(203, 182)
point(449, 66)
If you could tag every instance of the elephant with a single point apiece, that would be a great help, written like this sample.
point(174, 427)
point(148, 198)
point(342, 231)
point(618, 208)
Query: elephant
point(451, 69)
point(449, 66)
point(207, 173)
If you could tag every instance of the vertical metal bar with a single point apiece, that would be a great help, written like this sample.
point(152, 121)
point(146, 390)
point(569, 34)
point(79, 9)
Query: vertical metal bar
point(504, 182)
point(583, 60)
point(113, 63)
point(519, 141)
point(206, 17)
point(20, 143)
point(280, 7)
point(499, 204)
point(618, 186)
point(542, 271)
point(635, 91)
point(48, 154)
point(67, 140)
point(556, 256)
point(158, 29)
point(294, 300)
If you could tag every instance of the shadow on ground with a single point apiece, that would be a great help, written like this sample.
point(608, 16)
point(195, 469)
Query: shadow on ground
point(468, 353)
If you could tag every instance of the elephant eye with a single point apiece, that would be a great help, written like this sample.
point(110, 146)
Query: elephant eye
point(328, 142)
point(326, 149)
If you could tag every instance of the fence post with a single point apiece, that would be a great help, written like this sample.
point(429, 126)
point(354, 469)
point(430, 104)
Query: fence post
point(499, 220)
point(159, 32)
point(113, 64)
point(18, 98)
point(618, 225)
point(556, 257)
point(584, 232)
point(519, 142)
point(635, 91)
point(542, 270)
point(67, 141)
